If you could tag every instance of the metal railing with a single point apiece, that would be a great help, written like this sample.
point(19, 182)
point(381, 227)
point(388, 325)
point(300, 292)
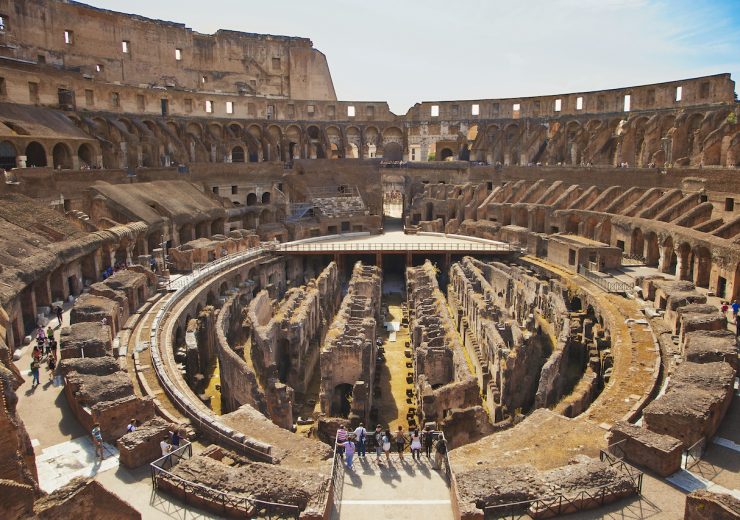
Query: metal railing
point(336, 482)
point(616, 449)
point(226, 502)
point(608, 283)
point(693, 454)
point(564, 503)
point(379, 247)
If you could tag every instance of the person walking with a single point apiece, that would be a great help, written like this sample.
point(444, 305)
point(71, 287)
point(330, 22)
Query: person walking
point(387, 446)
point(341, 439)
point(349, 451)
point(51, 364)
point(440, 451)
point(735, 308)
point(60, 313)
point(737, 325)
point(400, 442)
point(97, 438)
point(132, 426)
point(361, 437)
point(416, 446)
point(428, 440)
point(35, 372)
point(49, 333)
point(378, 438)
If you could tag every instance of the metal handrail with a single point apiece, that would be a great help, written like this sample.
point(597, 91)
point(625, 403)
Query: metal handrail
point(609, 284)
point(392, 246)
point(694, 453)
point(248, 504)
point(562, 503)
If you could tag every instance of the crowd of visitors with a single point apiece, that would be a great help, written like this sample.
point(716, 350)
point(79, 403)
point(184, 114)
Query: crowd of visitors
point(384, 442)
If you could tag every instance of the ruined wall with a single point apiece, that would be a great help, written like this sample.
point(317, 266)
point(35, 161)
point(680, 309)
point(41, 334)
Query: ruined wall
point(226, 61)
point(348, 352)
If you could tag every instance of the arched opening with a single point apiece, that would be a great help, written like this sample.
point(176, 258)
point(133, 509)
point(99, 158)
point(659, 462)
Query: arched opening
point(266, 197)
point(35, 155)
point(62, 157)
point(446, 154)
point(668, 258)
point(392, 152)
point(341, 402)
point(652, 252)
point(282, 360)
point(637, 243)
point(186, 233)
point(702, 266)
point(85, 155)
point(251, 199)
point(237, 154)
point(685, 264)
point(464, 153)
point(211, 299)
point(8, 154)
point(223, 289)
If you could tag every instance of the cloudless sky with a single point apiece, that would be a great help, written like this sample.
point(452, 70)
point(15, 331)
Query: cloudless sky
point(407, 51)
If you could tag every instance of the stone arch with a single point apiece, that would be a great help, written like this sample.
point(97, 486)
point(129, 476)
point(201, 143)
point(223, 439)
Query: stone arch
point(685, 264)
point(236, 130)
point(372, 142)
point(668, 257)
point(237, 154)
point(293, 138)
point(223, 288)
point(702, 266)
point(86, 155)
point(266, 196)
point(392, 152)
point(572, 224)
point(446, 154)
point(651, 249)
point(8, 155)
point(274, 136)
point(637, 243)
point(336, 142)
point(35, 155)
point(251, 199)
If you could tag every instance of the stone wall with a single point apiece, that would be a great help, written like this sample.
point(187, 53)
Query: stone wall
point(348, 353)
point(705, 505)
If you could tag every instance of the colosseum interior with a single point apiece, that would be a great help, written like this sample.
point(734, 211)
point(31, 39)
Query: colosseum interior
point(230, 255)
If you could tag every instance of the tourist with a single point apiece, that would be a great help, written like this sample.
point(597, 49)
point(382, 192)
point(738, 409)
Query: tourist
point(49, 333)
point(428, 439)
point(440, 451)
point(40, 335)
point(361, 436)
point(341, 438)
point(378, 437)
point(737, 325)
point(349, 450)
point(725, 307)
point(400, 442)
point(51, 346)
point(51, 364)
point(735, 307)
point(59, 314)
point(97, 438)
point(35, 372)
point(164, 445)
point(416, 446)
point(387, 446)
point(175, 438)
point(132, 426)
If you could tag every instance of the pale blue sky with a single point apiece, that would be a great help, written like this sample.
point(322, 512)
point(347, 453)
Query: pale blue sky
point(405, 52)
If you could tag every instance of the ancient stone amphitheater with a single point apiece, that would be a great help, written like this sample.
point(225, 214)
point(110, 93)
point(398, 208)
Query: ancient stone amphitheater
point(242, 259)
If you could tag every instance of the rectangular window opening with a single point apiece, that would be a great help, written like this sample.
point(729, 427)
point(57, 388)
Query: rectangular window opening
point(69, 37)
point(729, 204)
point(475, 110)
point(627, 100)
point(516, 107)
point(33, 91)
point(558, 105)
point(435, 111)
point(209, 107)
point(310, 110)
point(115, 99)
point(3, 88)
point(89, 97)
point(579, 103)
point(350, 111)
point(99, 67)
point(229, 107)
point(679, 93)
point(234, 190)
point(276, 64)
point(178, 54)
point(140, 102)
point(3, 23)
point(126, 46)
point(188, 105)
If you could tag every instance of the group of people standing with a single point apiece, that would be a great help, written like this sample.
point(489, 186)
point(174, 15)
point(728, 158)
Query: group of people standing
point(45, 350)
point(349, 443)
point(735, 307)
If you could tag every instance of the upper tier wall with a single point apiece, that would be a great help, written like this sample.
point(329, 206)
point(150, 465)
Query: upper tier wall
point(89, 41)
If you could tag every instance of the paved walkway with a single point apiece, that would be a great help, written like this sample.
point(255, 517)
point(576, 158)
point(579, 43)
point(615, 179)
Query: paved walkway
point(406, 489)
